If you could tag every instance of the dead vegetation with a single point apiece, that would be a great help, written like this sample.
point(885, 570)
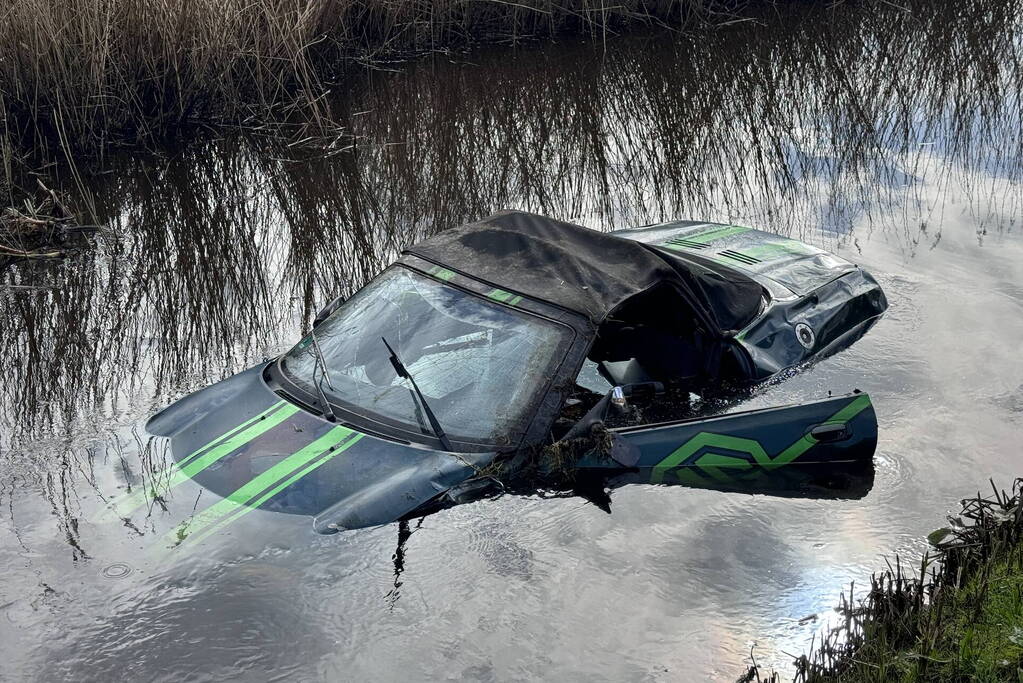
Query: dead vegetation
point(558, 460)
point(78, 75)
point(38, 227)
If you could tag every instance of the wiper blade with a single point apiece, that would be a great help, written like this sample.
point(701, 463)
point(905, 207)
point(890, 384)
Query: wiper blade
point(403, 372)
point(328, 411)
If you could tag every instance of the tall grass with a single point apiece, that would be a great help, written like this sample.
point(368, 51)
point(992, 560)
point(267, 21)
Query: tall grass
point(76, 75)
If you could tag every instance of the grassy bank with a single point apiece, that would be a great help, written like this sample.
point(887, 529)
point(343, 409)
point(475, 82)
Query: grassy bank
point(960, 618)
point(79, 78)
point(78, 75)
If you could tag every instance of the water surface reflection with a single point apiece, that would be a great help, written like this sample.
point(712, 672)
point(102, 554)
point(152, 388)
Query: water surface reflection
point(890, 136)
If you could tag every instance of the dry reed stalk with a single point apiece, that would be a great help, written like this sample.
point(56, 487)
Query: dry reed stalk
point(78, 74)
point(31, 230)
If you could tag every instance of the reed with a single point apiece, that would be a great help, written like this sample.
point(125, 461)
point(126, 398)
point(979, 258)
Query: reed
point(959, 617)
point(78, 75)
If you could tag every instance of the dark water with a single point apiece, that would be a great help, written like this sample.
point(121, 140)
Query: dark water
point(889, 135)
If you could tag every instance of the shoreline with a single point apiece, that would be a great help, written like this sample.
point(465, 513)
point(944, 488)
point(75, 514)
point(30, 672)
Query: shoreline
point(78, 76)
point(960, 617)
point(81, 79)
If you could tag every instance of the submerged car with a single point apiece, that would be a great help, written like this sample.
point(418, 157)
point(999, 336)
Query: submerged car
point(495, 343)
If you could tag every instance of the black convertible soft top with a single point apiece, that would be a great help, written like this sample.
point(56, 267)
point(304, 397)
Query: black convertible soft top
point(586, 271)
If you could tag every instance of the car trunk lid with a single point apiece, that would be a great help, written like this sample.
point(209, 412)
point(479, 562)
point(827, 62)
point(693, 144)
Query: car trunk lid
point(795, 266)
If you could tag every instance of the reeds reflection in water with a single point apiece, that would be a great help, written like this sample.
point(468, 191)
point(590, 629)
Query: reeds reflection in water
point(860, 125)
point(804, 122)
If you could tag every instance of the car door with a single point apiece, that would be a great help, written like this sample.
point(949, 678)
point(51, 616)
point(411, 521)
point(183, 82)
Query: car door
point(834, 431)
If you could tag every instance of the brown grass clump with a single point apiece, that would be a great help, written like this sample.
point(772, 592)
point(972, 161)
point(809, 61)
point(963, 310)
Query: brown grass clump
point(78, 74)
point(31, 230)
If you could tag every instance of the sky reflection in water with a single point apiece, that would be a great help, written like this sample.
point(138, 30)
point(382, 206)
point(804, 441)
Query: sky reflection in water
point(890, 137)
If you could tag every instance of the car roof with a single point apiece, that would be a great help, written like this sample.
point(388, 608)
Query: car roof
point(586, 271)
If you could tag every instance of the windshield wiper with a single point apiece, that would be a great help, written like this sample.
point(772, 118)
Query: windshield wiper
point(328, 409)
point(403, 372)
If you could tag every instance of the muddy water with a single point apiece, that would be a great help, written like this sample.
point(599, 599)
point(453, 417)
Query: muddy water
point(890, 137)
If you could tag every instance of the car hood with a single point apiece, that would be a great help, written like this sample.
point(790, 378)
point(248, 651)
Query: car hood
point(256, 450)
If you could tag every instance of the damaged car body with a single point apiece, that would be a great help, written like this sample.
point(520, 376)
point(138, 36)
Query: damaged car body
point(489, 345)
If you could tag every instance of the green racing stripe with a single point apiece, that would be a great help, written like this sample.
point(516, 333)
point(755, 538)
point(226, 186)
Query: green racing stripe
point(716, 232)
point(442, 273)
point(198, 460)
point(266, 485)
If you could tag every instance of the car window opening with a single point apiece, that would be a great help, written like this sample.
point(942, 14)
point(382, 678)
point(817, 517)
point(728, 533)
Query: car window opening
point(654, 346)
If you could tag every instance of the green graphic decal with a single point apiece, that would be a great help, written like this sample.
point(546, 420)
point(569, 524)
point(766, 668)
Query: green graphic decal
point(200, 459)
point(717, 232)
point(267, 484)
point(691, 476)
point(503, 296)
point(776, 249)
point(703, 238)
point(442, 273)
point(684, 454)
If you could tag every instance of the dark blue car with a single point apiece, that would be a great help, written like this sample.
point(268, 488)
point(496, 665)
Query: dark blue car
point(498, 343)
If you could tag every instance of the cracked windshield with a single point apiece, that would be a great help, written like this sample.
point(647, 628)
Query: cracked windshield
point(478, 363)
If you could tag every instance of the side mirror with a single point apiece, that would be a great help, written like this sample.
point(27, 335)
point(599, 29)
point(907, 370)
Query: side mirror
point(327, 310)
